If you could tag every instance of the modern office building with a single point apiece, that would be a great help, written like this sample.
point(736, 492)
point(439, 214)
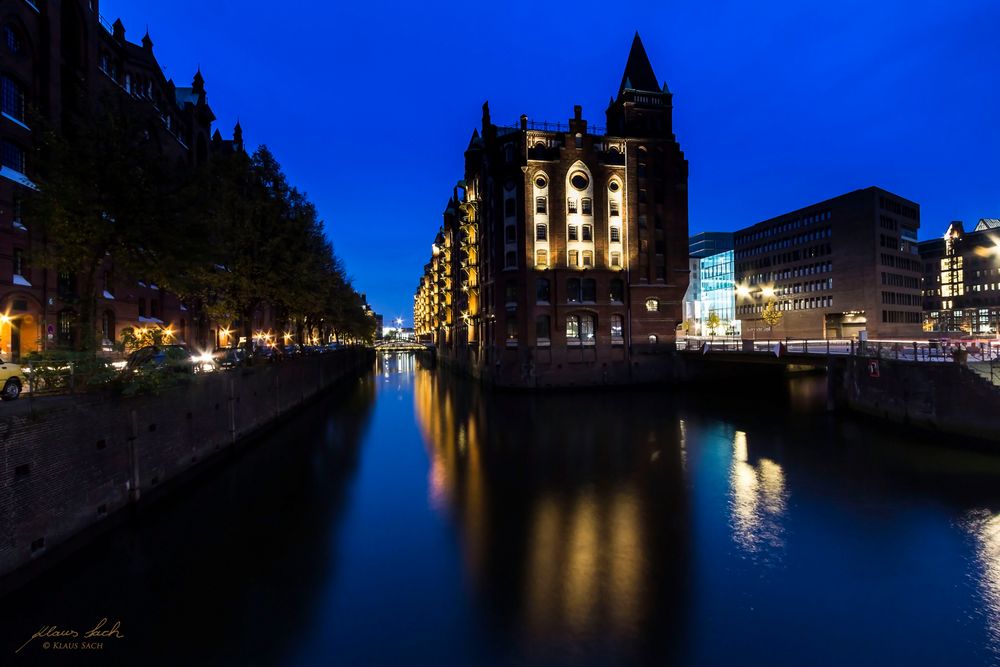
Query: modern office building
point(705, 249)
point(961, 280)
point(563, 254)
point(841, 268)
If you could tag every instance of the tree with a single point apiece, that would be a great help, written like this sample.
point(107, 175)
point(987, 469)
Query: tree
point(772, 315)
point(106, 188)
point(713, 322)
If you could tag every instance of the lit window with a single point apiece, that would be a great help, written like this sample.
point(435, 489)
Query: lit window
point(652, 305)
point(616, 259)
point(652, 339)
point(580, 329)
point(588, 258)
point(573, 233)
point(542, 258)
point(573, 258)
point(571, 205)
point(617, 326)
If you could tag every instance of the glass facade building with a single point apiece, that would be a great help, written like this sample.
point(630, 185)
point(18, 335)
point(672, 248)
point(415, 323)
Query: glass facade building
point(718, 292)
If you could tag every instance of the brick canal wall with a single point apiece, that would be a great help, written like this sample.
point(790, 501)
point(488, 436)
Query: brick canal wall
point(66, 466)
point(945, 397)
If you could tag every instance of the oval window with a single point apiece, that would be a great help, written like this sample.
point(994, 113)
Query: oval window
point(540, 182)
point(614, 186)
point(579, 180)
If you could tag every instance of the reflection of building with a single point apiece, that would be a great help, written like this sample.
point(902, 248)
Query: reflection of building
point(561, 257)
point(962, 279)
point(834, 269)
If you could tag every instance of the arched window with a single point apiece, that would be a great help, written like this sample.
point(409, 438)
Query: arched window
point(617, 329)
point(542, 290)
point(616, 291)
point(541, 232)
point(653, 339)
point(652, 305)
point(588, 290)
point(580, 329)
point(543, 327)
point(510, 259)
point(573, 290)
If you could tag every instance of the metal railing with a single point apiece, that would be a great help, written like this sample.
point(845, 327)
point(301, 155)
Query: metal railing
point(903, 350)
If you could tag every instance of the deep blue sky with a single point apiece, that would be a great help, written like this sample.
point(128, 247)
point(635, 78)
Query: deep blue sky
point(369, 105)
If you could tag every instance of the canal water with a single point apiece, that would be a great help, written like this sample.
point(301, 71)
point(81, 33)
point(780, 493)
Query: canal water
point(417, 520)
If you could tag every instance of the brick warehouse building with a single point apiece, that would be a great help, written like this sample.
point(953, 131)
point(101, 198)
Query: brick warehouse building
point(835, 269)
point(57, 56)
point(562, 258)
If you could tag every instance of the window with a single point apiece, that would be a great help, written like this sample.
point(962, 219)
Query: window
point(588, 290)
point(571, 205)
point(12, 39)
point(542, 290)
point(614, 186)
point(543, 327)
point(66, 285)
point(108, 325)
point(511, 331)
point(573, 290)
point(653, 339)
point(542, 258)
point(642, 196)
point(510, 234)
point(574, 258)
point(142, 306)
point(614, 209)
point(588, 258)
point(573, 233)
point(106, 283)
point(18, 262)
point(579, 180)
point(616, 234)
point(588, 233)
point(578, 142)
point(541, 233)
point(13, 99)
point(12, 156)
point(652, 305)
point(616, 291)
point(510, 259)
point(66, 327)
point(540, 182)
point(508, 153)
point(580, 329)
point(617, 322)
point(510, 293)
point(587, 204)
point(541, 205)
point(508, 208)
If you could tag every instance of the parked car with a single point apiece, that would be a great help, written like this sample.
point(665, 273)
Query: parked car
point(178, 358)
point(263, 354)
point(12, 380)
point(292, 350)
point(229, 357)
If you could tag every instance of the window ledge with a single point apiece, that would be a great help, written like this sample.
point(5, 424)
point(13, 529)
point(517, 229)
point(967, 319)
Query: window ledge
point(17, 177)
point(512, 343)
point(20, 280)
point(31, 3)
point(17, 122)
point(17, 224)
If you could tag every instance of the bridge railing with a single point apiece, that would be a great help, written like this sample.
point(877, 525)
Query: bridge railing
point(930, 350)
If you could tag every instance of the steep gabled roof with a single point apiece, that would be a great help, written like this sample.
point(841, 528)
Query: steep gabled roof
point(638, 70)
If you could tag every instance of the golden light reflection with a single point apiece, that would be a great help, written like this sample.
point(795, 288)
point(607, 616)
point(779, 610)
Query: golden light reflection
point(758, 500)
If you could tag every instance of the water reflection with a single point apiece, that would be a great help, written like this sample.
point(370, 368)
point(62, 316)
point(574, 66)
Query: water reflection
point(984, 527)
point(757, 501)
point(566, 508)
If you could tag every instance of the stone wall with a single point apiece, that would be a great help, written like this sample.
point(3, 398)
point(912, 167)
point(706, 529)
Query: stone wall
point(68, 465)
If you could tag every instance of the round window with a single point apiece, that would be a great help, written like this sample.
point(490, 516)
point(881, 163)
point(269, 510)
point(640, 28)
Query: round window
point(540, 182)
point(614, 186)
point(579, 180)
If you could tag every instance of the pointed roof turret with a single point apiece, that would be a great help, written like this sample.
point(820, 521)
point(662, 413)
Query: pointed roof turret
point(147, 41)
point(638, 73)
point(198, 85)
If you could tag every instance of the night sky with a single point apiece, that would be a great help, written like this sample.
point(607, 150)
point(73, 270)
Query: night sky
point(369, 105)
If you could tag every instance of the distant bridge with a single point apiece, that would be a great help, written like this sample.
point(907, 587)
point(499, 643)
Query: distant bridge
point(402, 346)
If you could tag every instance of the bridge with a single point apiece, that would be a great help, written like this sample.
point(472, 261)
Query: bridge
point(402, 346)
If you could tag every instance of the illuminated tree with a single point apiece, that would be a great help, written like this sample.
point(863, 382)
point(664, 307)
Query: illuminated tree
point(713, 322)
point(772, 315)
